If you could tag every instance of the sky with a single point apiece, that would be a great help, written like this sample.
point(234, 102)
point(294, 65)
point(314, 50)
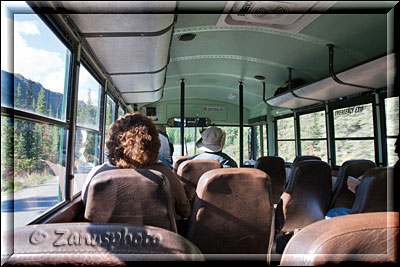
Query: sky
point(38, 54)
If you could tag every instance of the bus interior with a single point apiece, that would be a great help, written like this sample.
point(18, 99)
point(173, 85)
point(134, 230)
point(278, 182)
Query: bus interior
point(306, 93)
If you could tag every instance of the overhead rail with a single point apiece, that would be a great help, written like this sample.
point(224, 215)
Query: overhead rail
point(377, 74)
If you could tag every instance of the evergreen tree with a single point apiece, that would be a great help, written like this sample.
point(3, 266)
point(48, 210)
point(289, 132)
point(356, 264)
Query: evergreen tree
point(41, 103)
point(18, 100)
point(29, 98)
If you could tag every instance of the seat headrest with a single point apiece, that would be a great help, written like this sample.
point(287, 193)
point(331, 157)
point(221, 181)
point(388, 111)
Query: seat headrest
point(95, 244)
point(368, 237)
point(305, 157)
point(136, 196)
point(190, 172)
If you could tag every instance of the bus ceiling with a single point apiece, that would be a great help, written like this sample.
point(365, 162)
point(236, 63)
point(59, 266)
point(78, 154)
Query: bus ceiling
point(144, 49)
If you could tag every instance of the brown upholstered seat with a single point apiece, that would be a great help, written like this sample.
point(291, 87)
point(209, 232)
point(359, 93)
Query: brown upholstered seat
point(341, 195)
point(190, 171)
point(135, 196)
point(306, 198)
point(372, 195)
point(366, 238)
point(275, 168)
point(232, 212)
point(95, 244)
point(178, 161)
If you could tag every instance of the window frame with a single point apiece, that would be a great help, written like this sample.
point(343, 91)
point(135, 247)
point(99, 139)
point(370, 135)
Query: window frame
point(310, 111)
point(360, 100)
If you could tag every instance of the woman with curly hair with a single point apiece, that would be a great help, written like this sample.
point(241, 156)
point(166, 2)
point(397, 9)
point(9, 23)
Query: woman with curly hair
point(134, 143)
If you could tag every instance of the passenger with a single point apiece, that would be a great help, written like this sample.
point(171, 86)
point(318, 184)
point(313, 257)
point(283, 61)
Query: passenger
point(164, 154)
point(211, 142)
point(134, 143)
point(352, 184)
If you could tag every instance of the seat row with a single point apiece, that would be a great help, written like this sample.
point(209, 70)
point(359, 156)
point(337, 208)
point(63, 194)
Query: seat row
point(232, 211)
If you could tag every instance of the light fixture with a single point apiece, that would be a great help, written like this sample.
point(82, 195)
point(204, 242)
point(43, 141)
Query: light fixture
point(187, 37)
point(259, 77)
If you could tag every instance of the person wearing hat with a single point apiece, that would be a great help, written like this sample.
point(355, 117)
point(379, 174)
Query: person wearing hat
point(211, 142)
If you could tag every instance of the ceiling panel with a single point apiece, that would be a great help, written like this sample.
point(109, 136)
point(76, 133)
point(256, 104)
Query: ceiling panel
point(106, 23)
point(132, 54)
point(142, 97)
point(139, 83)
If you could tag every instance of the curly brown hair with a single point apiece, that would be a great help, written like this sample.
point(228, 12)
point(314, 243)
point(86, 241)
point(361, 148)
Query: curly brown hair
point(133, 142)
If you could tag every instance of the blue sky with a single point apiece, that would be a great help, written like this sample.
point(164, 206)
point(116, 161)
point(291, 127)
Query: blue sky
point(38, 54)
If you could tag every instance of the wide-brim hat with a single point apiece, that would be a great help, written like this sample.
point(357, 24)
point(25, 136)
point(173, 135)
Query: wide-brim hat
point(212, 140)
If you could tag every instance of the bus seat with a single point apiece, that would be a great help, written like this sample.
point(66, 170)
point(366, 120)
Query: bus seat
point(300, 159)
point(305, 157)
point(306, 198)
point(364, 238)
point(232, 212)
point(190, 171)
point(275, 168)
point(95, 244)
point(135, 196)
point(178, 161)
point(371, 194)
point(341, 195)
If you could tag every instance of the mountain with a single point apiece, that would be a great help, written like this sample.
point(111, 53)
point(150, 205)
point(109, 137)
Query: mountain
point(9, 84)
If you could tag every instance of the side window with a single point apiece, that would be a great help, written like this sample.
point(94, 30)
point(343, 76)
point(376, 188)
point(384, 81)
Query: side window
point(392, 127)
point(265, 139)
point(121, 112)
point(110, 118)
point(33, 152)
point(354, 133)
point(87, 137)
point(313, 135)
point(257, 139)
point(286, 139)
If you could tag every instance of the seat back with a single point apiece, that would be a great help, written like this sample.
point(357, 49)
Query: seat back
point(135, 196)
point(365, 238)
point(232, 212)
point(95, 244)
point(190, 171)
point(305, 157)
point(307, 196)
point(372, 195)
point(341, 195)
point(275, 168)
point(178, 161)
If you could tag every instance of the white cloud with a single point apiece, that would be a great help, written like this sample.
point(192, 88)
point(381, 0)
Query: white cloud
point(26, 27)
point(39, 65)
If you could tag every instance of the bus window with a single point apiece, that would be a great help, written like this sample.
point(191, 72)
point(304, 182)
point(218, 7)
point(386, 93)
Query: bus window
point(39, 168)
point(354, 133)
point(87, 137)
point(41, 66)
point(89, 91)
point(87, 153)
point(110, 118)
point(265, 140)
point(392, 127)
point(121, 112)
point(257, 139)
point(286, 140)
point(313, 135)
point(33, 148)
